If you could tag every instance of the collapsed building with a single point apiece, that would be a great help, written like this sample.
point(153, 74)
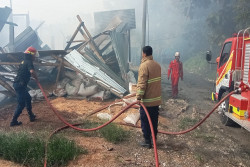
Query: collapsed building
point(94, 66)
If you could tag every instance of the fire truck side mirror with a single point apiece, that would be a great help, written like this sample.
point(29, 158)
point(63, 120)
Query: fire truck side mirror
point(208, 55)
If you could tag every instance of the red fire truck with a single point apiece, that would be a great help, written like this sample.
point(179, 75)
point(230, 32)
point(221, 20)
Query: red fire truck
point(233, 66)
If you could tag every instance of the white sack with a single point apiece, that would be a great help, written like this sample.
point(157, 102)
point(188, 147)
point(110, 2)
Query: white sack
point(104, 116)
point(87, 91)
point(70, 89)
point(132, 118)
point(59, 92)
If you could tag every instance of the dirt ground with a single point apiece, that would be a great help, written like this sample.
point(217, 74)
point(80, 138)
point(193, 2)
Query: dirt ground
point(211, 145)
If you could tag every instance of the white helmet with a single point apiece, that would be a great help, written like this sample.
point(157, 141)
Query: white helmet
point(177, 54)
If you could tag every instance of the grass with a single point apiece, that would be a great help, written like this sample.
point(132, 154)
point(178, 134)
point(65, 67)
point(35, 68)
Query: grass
point(112, 132)
point(205, 137)
point(187, 122)
point(199, 157)
point(28, 150)
point(62, 150)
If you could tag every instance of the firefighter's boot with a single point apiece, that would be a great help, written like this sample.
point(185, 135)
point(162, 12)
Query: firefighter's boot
point(146, 143)
point(15, 123)
point(32, 116)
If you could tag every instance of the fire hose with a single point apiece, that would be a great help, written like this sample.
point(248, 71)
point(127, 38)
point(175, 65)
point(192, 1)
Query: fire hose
point(99, 127)
point(74, 126)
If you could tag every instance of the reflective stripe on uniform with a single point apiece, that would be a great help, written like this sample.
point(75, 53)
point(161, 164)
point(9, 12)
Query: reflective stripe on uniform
point(154, 80)
point(151, 100)
point(140, 92)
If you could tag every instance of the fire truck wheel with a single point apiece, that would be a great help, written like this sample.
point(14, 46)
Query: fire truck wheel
point(224, 108)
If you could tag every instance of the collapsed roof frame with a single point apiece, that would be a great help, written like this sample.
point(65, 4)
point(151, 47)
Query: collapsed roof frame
point(10, 61)
point(92, 53)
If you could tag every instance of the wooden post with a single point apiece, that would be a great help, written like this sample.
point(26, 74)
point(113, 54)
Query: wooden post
point(144, 17)
point(59, 71)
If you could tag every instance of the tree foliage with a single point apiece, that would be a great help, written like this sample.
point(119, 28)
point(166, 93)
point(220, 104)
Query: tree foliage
point(226, 17)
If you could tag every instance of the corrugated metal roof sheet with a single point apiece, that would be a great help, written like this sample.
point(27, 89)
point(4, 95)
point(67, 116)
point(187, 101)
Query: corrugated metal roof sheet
point(4, 14)
point(102, 19)
point(94, 72)
point(94, 60)
point(120, 43)
point(25, 39)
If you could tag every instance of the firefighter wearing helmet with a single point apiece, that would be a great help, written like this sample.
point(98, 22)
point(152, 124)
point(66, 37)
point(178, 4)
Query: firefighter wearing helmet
point(176, 71)
point(25, 71)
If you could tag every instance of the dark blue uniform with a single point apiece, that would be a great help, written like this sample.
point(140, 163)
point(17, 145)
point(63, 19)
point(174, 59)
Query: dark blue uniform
point(20, 86)
point(154, 114)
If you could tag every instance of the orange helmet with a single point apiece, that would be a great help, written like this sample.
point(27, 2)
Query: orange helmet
point(30, 50)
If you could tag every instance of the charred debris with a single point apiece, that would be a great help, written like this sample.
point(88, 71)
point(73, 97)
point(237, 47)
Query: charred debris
point(97, 66)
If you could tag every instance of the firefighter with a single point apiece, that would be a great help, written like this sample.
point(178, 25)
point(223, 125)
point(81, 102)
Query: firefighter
point(176, 71)
point(25, 71)
point(149, 93)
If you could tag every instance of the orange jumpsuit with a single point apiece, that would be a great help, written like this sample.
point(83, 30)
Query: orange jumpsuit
point(175, 67)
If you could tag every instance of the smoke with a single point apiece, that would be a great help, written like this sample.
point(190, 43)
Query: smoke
point(169, 29)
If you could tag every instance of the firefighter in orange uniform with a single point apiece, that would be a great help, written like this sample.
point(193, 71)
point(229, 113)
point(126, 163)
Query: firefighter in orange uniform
point(176, 71)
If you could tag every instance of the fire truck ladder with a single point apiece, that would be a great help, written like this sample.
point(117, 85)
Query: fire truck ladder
point(237, 48)
point(246, 59)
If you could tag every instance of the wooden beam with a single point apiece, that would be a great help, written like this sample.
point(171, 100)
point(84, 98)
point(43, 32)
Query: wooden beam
point(77, 41)
point(73, 36)
point(59, 71)
point(92, 42)
point(1, 49)
point(106, 47)
point(8, 87)
point(83, 45)
point(38, 64)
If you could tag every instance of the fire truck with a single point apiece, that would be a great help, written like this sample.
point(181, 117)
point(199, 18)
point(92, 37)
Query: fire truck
point(233, 66)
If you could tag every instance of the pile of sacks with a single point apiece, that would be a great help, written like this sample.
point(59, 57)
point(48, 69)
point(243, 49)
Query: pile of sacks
point(75, 84)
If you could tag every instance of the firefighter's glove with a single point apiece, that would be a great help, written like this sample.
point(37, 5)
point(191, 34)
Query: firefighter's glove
point(138, 102)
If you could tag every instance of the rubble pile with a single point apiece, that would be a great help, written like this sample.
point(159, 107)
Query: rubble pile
point(95, 67)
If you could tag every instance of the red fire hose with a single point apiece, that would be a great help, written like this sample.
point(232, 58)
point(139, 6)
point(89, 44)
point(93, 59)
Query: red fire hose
point(196, 125)
point(101, 126)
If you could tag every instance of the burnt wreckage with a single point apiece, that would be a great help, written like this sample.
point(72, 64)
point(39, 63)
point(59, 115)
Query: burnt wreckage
point(95, 66)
